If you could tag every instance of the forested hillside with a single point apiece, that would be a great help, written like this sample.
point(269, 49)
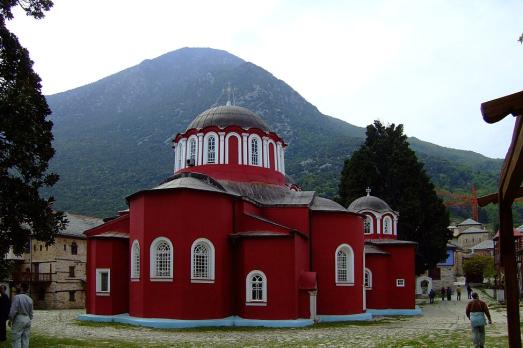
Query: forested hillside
point(112, 137)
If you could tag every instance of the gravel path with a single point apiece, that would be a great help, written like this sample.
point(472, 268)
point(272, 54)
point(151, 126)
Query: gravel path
point(440, 319)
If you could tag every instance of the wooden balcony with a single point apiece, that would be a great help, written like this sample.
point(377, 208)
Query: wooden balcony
point(35, 277)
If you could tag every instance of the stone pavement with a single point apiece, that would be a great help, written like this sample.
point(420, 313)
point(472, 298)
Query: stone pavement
point(442, 318)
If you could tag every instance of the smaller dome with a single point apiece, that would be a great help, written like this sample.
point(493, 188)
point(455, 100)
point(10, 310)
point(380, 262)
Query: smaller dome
point(369, 203)
point(228, 115)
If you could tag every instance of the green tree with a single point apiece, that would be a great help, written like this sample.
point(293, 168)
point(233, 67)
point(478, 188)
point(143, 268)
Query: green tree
point(25, 141)
point(479, 266)
point(387, 165)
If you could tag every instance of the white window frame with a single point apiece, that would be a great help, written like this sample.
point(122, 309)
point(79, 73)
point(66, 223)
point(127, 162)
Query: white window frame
point(350, 265)
point(259, 143)
point(152, 260)
point(189, 148)
point(99, 290)
point(135, 261)
point(371, 225)
point(210, 262)
point(248, 289)
point(390, 231)
point(206, 148)
point(400, 283)
point(367, 284)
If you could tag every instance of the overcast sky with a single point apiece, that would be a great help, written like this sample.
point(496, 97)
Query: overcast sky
point(426, 64)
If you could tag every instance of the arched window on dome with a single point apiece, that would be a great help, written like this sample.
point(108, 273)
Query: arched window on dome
point(210, 148)
point(135, 261)
point(256, 288)
point(192, 150)
point(202, 261)
point(368, 227)
point(344, 259)
point(255, 150)
point(387, 225)
point(161, 261)
point(367, 279)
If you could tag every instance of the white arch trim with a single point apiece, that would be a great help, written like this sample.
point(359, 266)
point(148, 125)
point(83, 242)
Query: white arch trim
point(367, 273)
point(248, 289)
point(152, 260)
point(260, 150)
point(210, 262)
point(339, 276)
point(135, 261)
point(232, 134)
point(206, 147)
point(388, 219)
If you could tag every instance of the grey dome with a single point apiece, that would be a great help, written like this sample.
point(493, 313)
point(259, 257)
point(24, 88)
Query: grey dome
point(228, 115)
point(369, 203)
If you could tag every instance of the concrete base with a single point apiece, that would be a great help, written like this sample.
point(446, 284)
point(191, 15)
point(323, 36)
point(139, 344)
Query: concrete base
point(392, 312)
point(159, 323)
point(352, 317)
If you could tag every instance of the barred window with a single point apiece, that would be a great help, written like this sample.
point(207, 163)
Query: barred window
point(344, 259)
point(256, 287)
point(202, 260)
point(211, 150)
point(135, 260)
point(387, 225)
point(254, 152)
point(103, 280)
point(161, 259)
point(192, 149)
point(367, 225)
point(367, 280)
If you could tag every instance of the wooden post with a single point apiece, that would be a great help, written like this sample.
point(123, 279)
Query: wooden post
point(508, 255)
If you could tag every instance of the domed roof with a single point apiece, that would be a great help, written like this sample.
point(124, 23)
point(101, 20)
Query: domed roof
point(228, 115)
point(369, 203)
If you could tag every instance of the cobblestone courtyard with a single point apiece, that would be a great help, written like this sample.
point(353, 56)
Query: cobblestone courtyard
point(442, 325)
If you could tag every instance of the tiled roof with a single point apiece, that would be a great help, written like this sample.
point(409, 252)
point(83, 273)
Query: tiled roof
point(469, 222)
point(474, 230)
point(485, 245)
point(78, 224)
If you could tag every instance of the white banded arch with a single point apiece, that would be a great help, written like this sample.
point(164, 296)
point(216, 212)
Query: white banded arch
point(228, 159)
point(210, 148)
point(255, 152)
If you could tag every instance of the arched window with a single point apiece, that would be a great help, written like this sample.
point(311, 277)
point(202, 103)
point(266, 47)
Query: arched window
point(161, 262)
point(256, 287)
point(74, 248)
point(211, 149)
point(202, 261)
point(387, 225)
point(255, 155)
point(367, 225)
point(344, 265)
point(367, 280)
point(135, 260)
point(192, 149)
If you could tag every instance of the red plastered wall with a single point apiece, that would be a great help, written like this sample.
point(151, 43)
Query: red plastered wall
point(378, 295)
point(328, 231)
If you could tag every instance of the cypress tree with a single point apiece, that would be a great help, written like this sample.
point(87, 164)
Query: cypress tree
point(387, 165)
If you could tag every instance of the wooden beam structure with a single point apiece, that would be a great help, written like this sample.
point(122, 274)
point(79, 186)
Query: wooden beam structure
point(509, 188)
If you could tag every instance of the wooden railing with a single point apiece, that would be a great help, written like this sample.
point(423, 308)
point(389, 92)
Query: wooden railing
point(31, 277)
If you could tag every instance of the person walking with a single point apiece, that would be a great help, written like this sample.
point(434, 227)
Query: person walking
point(5, 306)
point(20, 317)
point(449, 293)
point(469, 291)
point(432, 294)
point(443, 293)
point(458, 293)
point(476, 312)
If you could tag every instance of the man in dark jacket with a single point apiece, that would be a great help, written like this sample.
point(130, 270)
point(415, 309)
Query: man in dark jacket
point(5, 306)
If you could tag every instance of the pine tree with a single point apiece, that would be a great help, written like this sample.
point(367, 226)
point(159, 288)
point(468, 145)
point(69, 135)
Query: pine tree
point(25, 142)
point(387, 165)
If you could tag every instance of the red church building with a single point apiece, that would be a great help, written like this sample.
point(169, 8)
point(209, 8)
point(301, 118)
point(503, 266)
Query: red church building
point(228, 240)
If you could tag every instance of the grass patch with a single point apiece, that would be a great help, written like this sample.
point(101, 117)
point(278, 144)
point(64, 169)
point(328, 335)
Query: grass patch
point(39, 340)
point(454, 339)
